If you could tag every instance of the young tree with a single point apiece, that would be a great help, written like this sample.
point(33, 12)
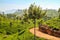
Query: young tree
point(35, 12)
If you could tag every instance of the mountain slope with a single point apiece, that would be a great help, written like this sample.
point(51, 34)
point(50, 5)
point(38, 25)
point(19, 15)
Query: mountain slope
point(52, 13)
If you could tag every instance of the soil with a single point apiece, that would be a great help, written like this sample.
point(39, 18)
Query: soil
point(43, 35)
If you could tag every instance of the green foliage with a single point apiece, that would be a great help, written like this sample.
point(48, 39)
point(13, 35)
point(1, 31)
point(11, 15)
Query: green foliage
point(35, 12)
point(54, 23)
point(16, 30)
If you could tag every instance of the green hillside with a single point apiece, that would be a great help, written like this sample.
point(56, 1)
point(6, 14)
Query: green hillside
point(52, 13)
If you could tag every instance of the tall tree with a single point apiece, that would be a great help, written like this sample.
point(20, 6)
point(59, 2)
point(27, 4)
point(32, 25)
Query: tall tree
point(35, 12)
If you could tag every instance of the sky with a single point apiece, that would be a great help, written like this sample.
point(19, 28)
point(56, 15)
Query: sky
point(23, 4)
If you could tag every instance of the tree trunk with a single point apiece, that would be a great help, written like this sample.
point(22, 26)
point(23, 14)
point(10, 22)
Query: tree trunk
point(34, 29)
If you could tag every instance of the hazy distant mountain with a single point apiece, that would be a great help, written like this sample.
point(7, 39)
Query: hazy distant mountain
point(10, 11)
point(18, 12)
point(14, 11)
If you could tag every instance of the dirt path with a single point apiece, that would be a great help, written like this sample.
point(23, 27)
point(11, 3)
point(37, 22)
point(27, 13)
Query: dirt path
point(43, 35)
